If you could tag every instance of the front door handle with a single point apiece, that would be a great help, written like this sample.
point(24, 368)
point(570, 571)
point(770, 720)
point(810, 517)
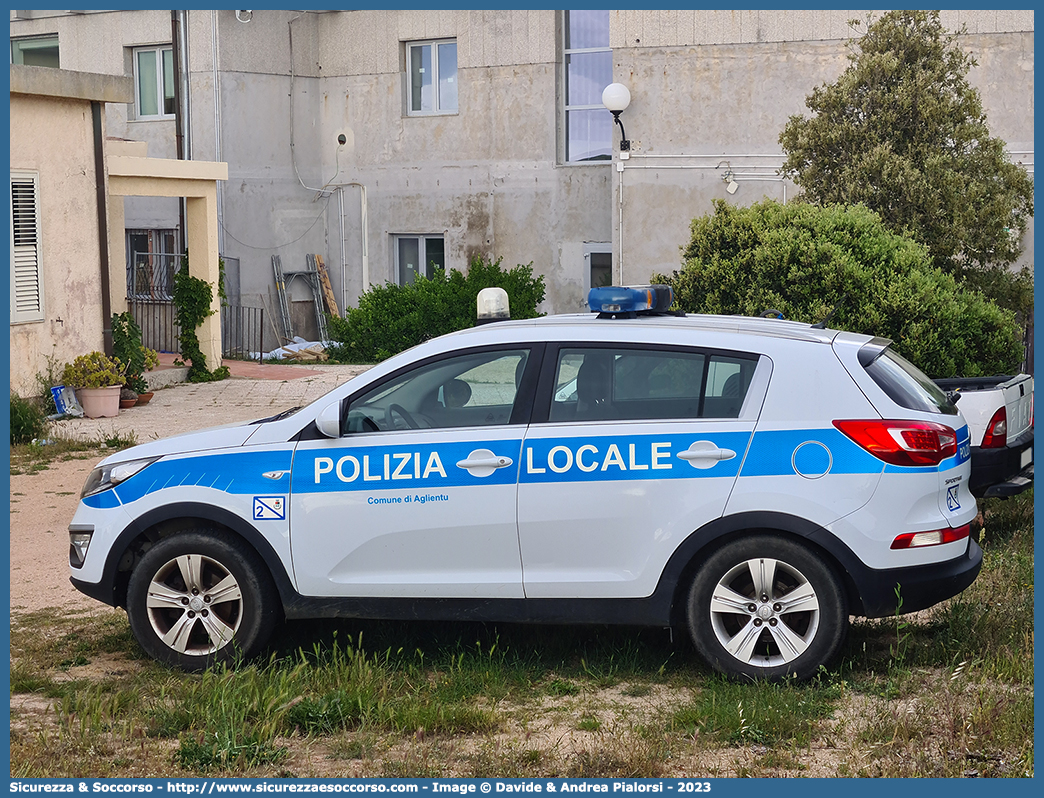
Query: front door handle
point(705, 454)
point(482, 462)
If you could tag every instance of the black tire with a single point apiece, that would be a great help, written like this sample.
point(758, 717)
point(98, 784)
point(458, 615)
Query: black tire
point(212, 600)
point(786, 630)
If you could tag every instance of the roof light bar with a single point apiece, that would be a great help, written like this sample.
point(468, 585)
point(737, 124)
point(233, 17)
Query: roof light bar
point(629, 299)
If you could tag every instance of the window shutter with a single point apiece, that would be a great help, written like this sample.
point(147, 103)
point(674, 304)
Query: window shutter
point(26, 288)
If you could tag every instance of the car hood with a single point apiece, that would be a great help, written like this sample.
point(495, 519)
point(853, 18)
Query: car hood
point(222, 437)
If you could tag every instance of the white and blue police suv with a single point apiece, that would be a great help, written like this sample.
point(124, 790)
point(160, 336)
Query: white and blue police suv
point(753, 480)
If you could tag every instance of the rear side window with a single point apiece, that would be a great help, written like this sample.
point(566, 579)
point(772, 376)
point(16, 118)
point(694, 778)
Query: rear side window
point(905, 384)
point(600, 384)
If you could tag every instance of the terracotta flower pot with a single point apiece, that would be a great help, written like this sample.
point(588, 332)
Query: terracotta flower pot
point(100, 402)
point(125, 403)
point(143, 398)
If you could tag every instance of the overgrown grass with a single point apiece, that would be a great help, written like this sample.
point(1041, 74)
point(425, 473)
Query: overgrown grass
point(948, 694)
point(31, 458)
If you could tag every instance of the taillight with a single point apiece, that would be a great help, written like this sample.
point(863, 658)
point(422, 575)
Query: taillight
point(902, 443)
point(936, 537)
point(996, 435)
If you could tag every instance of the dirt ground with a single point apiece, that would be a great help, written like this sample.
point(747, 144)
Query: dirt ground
point(43, 503)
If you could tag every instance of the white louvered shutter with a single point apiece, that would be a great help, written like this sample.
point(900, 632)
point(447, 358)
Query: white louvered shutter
point(26, 277)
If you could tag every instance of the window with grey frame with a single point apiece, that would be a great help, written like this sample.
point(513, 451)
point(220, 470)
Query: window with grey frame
point(36, 51)
point(588, 62)
point(418, 255)
point(431, 72)
point(154, 82)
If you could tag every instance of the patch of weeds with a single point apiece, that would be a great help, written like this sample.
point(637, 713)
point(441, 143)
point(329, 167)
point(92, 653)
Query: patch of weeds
point(420, 761)
point(769, 714)
point(31, 458)
point(508, 760)
point(562, 687)
point(627, 756)
point(220, 751)
point(778, 759)
point(589, 724)
point(356, 746)
point(29, 680)
point(49, 639)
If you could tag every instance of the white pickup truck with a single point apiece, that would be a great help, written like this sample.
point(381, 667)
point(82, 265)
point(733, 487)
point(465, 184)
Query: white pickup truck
point(999, 412)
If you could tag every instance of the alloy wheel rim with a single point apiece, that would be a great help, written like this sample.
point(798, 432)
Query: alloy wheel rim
point(764, 612)
point(195, 605)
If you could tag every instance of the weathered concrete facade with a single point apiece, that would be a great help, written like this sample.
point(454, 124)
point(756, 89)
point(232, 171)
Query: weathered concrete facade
point(51, 114)
point(710, 91)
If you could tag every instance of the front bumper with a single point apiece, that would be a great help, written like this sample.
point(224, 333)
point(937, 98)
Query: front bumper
point(918, 587)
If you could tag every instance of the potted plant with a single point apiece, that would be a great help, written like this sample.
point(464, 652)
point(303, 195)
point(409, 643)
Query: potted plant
point(128, 349)
point(140, 385)
point(128, 397)
point(97, 379)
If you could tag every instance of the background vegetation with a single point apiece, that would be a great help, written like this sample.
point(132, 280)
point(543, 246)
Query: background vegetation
point(392, 318)
point(809, 261)
point(904, 133)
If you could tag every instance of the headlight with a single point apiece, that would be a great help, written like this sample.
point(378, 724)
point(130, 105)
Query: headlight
point(109, 476)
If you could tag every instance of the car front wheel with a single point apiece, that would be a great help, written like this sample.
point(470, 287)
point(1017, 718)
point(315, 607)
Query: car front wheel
point(199, 598)
point(765, 607)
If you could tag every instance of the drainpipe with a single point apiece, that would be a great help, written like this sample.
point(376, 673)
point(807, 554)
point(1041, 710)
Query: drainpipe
point(103, 225)
point(177, 32)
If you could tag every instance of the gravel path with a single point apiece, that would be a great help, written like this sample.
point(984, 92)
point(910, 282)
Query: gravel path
point(43, 504)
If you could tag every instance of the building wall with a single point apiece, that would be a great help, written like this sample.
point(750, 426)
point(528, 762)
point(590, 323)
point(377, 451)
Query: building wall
point(103, 43)
point(70, 260)
point(710, 90)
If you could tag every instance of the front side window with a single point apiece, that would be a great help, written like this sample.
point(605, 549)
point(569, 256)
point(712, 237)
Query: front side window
point(154, 82)
point(605, 384)
point(471, 390)
point(423, 255)
point(588, 70)
point(36, 51)
point(431, 69)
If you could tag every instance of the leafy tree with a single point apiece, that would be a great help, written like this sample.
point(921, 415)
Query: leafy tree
point(902, 132)
point(809, 261)
point(392, 318)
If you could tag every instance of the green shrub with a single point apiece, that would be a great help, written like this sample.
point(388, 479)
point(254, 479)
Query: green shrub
point(27, 420)
point(128, 349)
point(392, 318)
point(808, 261)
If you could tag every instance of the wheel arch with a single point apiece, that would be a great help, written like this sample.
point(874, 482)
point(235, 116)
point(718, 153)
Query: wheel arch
point(687, 558)
point(170, 520)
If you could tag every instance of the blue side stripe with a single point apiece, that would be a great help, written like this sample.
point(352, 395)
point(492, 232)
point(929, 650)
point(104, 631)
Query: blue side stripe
point(539, 460)
point(775, 453)
point(241, 472)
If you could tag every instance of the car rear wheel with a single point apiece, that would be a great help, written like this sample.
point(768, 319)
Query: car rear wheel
point(767, 608)
point(199, 598)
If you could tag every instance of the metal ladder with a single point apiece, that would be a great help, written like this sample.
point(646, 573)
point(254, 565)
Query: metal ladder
point(283, 281)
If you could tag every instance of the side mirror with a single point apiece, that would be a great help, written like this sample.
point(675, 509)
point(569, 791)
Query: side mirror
point(329, 420)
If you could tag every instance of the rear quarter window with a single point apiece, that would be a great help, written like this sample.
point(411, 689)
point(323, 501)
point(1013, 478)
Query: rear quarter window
point(905, 384)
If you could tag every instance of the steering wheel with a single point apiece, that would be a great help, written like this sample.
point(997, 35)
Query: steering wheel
point(403, 413)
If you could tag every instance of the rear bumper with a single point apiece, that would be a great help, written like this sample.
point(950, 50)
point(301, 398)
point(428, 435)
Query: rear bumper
point(995, 468)
point(918, 587)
